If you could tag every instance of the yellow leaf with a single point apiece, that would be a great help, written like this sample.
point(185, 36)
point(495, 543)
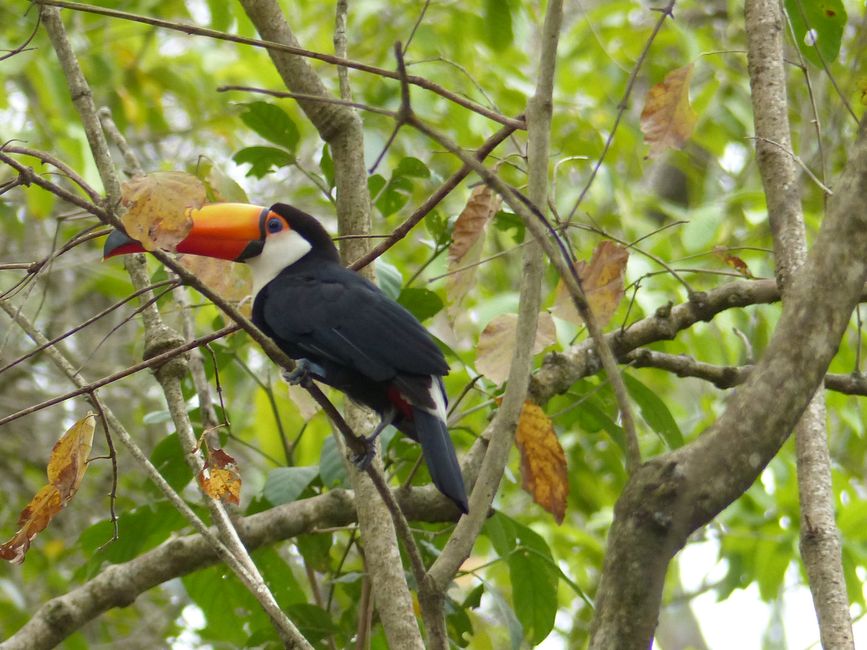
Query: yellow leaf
point(602, 281)
point(543, 462)
point(157, 207)
point(497, 344)
point(231, 281)
point(68, 460)
point(668, 120)
point(219, 478)
point(66, 468)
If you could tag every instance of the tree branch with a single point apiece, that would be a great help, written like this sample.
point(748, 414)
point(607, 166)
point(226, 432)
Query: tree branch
point(820, 538)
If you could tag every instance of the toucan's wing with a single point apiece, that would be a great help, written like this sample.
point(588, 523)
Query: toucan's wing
point(335, 314)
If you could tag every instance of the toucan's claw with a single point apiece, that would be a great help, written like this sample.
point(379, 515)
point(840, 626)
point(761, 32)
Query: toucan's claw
point(388, 418)
point(304, 373)
point(363, 460)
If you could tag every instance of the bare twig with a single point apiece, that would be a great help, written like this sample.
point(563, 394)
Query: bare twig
point(298, 51)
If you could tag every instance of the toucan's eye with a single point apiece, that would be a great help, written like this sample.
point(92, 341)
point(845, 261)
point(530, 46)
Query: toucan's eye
point(275, 225)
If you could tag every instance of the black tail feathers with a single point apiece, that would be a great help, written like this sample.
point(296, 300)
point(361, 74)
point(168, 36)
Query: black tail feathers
point(439, 454)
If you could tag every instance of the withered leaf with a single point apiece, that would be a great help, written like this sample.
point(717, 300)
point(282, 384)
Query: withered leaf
point(543, 462)
point(220, 478)
point(668, 119)
point(602, 281)
point(230, 280)
point(468, 240)
point(65, 471)
point(497, 344)
point(157, 207)
point(733, 261)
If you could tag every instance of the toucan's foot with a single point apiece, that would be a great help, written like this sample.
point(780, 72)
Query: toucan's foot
point(304, 373)
point(363, 460)
point(388, 418)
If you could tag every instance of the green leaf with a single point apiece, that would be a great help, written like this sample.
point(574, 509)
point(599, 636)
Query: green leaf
point(655, 412)
point(438, 227)
point(316, 549)
point(285, 484)
point(500, 529)
point(421, 303)
point(534, 594)
point(516, 632)
point(498, 24)
point(389, 279)
point(505, 221)
point(326, 164)
point(332, 471)
point(168, 458)
point(263, 159)
point(818, 27)
point(272, 123)
point(410, 166)
point(313, 621)
point(394, 196)
point(772, 560)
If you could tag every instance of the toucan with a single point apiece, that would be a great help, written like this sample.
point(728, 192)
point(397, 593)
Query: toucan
point(341, 329)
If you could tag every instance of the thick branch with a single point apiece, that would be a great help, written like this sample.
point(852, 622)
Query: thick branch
point(673, 495)
point(820, 538)
point(120, 584)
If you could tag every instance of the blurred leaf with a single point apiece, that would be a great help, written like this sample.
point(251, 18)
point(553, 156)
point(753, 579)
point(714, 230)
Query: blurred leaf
point(332, 471)
point(667, 119)
point(654, 411)
point(263, 160)
point(421, 303)
point(602, 281)
point(272, 123)
point(498, 24)
point(168, 458)
point(285, 484)
point(468, 240)
point(389, 279)
point(497, 344)
point(410, 166)
point(534, 594)
point(818, 27)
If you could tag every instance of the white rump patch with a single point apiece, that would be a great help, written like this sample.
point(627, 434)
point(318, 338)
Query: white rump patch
point(439, 399)
point(281, 249)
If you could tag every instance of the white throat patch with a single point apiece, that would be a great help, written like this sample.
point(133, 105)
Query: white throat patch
point(281, 249)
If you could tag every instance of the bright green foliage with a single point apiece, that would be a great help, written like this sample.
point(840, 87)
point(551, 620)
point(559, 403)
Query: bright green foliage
point(528, 579)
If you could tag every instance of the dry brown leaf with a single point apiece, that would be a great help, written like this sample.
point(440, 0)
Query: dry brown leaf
point(66, 468)
point(543, 462)
point(157, 207)
point(733, 261)
point(220, 478)
point(231, 281)
point(497, 344)
point(602, 281)
point(668, 120)
point(468, 241)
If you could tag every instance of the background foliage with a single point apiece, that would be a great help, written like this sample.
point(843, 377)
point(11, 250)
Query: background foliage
point(527, 573)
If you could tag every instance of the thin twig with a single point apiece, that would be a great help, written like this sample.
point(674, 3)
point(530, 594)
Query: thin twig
point(280, 47)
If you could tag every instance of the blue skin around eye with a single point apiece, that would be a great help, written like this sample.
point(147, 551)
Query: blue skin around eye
point(274, 225)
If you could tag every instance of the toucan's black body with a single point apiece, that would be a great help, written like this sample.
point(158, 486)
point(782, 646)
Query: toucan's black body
point(362, 342)
point(342, 328)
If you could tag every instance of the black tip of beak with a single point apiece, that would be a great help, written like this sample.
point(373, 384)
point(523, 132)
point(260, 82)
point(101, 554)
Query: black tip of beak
point(119, 243)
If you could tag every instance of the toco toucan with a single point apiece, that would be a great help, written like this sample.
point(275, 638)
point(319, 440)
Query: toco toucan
point(340, 328)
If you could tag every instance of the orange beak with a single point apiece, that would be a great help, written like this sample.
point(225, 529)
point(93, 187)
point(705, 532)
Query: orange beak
point(228, 231)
